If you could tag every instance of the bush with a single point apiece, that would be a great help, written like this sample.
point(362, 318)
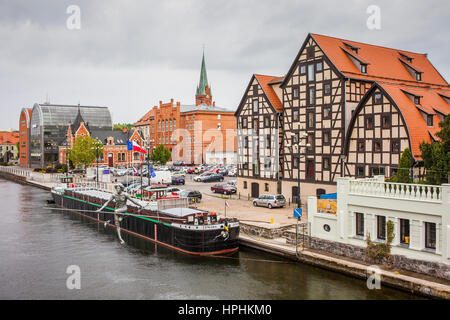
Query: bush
point(379, 251)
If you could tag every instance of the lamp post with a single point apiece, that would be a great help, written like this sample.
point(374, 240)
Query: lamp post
point(96, 159)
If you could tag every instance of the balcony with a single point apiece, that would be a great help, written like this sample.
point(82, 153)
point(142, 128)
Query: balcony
point(407, 191)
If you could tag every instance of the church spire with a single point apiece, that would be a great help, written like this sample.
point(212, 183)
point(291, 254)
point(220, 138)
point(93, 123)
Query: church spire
point(203, 93)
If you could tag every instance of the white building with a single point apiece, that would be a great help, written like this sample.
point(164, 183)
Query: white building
point(420, 213)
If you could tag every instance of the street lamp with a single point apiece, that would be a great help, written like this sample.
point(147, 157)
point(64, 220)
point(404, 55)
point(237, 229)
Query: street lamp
point(299, 156)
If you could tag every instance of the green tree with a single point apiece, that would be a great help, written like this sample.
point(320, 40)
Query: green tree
point(160, 155)
point(436, 155)
point(122, 126)
point(404, 166)
point(84, 151)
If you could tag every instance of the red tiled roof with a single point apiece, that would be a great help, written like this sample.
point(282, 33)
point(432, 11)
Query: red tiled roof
point(10, 138)
point(417, 126)
point(268, 90)
point(146, 117)
point(384, 63)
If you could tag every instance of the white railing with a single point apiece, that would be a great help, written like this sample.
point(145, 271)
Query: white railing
point(16, 171)
point(420, 192)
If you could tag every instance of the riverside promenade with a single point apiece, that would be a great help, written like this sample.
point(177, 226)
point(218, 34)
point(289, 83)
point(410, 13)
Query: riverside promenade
point(280, 238)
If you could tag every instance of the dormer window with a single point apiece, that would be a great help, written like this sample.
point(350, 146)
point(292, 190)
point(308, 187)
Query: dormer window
point(418, 76)
point(353, 48)
point(430, 120)
point(363, 68)
point(416, 100)
point(405, 57)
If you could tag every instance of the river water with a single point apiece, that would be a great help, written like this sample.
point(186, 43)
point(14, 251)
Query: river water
point(38, 244)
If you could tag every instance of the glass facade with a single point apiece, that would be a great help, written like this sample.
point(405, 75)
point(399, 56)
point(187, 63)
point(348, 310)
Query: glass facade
point(49, 124)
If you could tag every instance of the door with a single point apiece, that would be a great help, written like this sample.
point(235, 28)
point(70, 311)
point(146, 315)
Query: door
point(255, 190)
point(110, 160)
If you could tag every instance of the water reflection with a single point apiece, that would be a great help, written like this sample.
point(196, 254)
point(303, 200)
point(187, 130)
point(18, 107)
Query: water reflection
point(38, 244)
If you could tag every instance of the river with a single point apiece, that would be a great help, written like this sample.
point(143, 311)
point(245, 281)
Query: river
point(38, 244)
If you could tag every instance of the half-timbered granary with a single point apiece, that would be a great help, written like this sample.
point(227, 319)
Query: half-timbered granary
point(258, 125)
point(350, 109)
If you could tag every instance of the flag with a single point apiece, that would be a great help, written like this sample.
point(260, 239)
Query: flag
point(133, 146)
point(152, 172)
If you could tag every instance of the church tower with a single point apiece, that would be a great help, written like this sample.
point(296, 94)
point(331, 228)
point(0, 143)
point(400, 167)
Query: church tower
point(203, 94)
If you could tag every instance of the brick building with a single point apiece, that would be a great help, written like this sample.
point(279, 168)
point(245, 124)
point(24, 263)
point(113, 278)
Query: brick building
point(24, 136)
point(200, 133)
point(8, 146)
point(115, 151)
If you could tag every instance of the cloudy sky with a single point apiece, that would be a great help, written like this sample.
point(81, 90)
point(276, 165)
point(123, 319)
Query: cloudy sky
point(128, 55)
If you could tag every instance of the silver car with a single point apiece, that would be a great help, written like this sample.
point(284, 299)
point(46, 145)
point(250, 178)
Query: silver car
point(270, 201)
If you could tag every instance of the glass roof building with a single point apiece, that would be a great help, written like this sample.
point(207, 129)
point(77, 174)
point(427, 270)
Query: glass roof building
point(48, 128)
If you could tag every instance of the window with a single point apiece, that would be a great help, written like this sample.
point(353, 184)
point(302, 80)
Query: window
point(245, 142)
point(310, 142)
point(319, 66)
point(326, 163)
point(429, 120)
point(377, 171)
point(295, 115)
point(360, 171)
point(302, 69)
point(430, 235)
point(416, 100)
point(245, 184)
point(386, 121)
point(310, 172)
point(295, 92)
point(244, 122)
point(219, 116)
point(267, 121)
point(404, 231)
point(310, 53)
point(359, 224)
point(255, 89)
point(327, 89)
point(295, 138)
point(266, 187)
point(381, 227)
point(311, 95)
point(361, 146)
point(219, 125)
point(295, 162)
point(310, 120)
point(418, 76)
point(268, 141)
point(311, 72)
point(377, 145)
point(255, 105)
point(326, 112)
point(363, 68)
point(369, 122)
point(255, 124)
point(326, 137)
point(377, 97)
point(395, 146)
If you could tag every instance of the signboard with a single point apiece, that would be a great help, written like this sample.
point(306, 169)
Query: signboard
point(298, 213)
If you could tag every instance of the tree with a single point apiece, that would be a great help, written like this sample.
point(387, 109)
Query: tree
point(436, 155)
point(160, 155)
point(84, 151)
point(121, 126)
point(404, 166)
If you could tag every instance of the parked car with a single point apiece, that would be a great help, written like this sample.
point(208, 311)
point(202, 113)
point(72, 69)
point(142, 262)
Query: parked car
point(270, 201)
point(178, 180)
point(77, 170)
point(200, 177)
point(232, 173)
point(190, 170)
point(232, 182)
point(223, 188)
point(192, 196)
point(213, 178)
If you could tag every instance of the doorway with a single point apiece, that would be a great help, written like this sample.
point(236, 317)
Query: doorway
point(255, 190)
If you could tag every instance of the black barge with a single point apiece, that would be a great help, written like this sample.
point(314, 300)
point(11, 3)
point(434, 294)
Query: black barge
point(184, 229)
